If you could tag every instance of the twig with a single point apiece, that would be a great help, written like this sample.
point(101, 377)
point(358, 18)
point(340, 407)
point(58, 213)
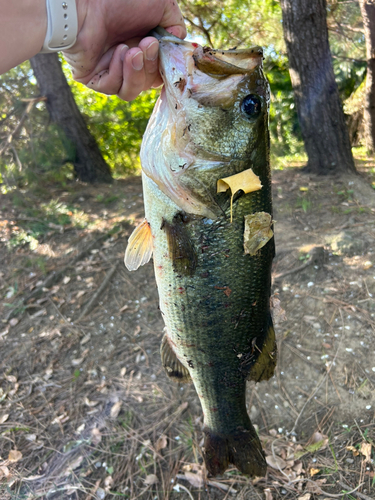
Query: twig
point(360, 495)
point(177, 486)
point(89, 306)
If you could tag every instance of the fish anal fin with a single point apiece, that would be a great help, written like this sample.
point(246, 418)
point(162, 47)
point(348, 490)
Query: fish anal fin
point(264, 367)
point(173, 367)
point(139, 249)
point(241, 448)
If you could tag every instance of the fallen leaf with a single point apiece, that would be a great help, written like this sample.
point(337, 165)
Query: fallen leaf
point(96, 436)
point(74, 465)
point(306, 496)
point(366, 451)
point(151, 479)
point(80, 293)
point(90, 403)
point(85, 339)
point(14, 456)
point(115, 410)
point(161, 443)
point(353, 449)
point(66, 280)
point(4, 418)
point(275, 462)
point(195, 479)
point(314, 471)
point(4, 471)
point(76, 362)
point(108, 481)
point(268, 494)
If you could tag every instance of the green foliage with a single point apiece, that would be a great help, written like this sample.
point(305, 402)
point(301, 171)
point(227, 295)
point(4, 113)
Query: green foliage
point(117, 126)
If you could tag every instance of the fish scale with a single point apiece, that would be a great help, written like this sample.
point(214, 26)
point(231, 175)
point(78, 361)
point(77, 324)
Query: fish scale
point(213, 293)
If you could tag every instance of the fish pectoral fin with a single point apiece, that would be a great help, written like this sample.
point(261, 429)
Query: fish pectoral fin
point(139, 249)
point(241, 448)
point(264, 366)
point(173, 367)
point(180, 248)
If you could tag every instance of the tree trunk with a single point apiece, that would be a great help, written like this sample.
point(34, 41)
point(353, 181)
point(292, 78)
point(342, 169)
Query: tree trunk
point(368, 15)
point(316, 94)
point(88, 161)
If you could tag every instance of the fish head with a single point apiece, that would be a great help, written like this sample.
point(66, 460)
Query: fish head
point(211, 121)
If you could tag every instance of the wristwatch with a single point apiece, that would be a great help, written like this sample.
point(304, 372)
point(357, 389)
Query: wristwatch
point(62, 27)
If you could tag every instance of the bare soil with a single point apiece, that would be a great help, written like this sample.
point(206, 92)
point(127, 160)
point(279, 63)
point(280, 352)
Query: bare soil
point(86, 411)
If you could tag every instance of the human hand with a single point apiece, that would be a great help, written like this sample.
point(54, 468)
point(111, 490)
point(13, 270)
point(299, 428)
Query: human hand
point(110, 55)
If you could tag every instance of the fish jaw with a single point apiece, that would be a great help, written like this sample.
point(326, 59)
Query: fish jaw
point(198, 130)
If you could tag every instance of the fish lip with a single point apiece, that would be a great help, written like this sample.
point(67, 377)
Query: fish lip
point(162, 34)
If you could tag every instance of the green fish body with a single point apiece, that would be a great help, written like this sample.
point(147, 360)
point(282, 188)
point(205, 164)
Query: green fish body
point(211, 123)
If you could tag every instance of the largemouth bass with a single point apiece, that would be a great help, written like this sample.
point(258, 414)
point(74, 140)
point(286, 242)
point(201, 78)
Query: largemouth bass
point(207, 195)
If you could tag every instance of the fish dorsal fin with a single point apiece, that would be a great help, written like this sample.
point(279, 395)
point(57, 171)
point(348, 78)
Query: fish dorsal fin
point(172, 365)
point(139, 249)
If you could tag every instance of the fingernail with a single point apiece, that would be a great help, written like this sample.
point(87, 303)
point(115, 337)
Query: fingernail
point(152, 51)
point(123, 52)
point(137, 61)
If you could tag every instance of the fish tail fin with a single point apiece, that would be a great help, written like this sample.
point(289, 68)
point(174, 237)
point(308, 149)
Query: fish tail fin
point(241, 448)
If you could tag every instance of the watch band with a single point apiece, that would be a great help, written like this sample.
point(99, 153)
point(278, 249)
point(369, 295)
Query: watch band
point(62, 27)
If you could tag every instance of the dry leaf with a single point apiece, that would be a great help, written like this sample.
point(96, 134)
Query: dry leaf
point(314, 471)
point(115, 410)
point(275, 462)
point(4, 418)
point(151, 479)
point(195, 480)
point(80, 293)
point(13, 322)
point(66, 280)
point(14, 456)
point(11, 378)
point(353, 449)
point(85, 339)
point(96, 436)
point(74, 465)
point(268, 494)
point(366, 451)
point(315, 486)
point(108, 482)
point(306, 496)
point(76, 362)
point(161, 443)
point(90, 403)
point(4, 471)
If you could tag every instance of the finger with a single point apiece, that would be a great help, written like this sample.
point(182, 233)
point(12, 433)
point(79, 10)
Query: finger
point(172, 18)
point(150, 49)
point(133, 75)
point(109, 79)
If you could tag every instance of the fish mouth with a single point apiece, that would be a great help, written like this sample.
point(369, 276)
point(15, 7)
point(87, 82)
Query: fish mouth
point(215, 63)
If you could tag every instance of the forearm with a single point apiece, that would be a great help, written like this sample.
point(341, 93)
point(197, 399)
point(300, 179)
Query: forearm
point(23, 27)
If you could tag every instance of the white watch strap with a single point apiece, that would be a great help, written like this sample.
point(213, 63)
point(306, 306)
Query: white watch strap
point(62, 25)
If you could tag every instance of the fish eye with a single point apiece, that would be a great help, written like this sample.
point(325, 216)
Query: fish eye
point(251, 106)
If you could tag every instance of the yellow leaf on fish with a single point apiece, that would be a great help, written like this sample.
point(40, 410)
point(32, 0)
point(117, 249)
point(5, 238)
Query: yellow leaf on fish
point(246, 181)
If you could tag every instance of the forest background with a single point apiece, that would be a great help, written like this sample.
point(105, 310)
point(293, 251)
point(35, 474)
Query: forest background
point(33, 147)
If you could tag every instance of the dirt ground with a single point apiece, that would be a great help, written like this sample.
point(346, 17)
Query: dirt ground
point(86, 411)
